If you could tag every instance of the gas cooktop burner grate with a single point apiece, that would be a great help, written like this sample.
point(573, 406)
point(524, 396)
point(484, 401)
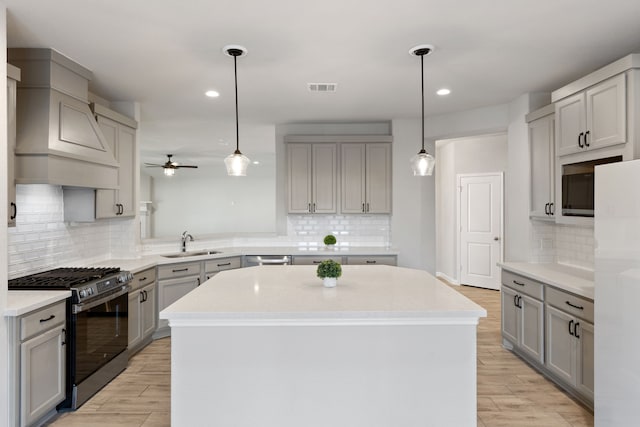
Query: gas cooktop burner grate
point(61, 278)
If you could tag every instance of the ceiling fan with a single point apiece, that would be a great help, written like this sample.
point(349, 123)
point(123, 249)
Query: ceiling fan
point(170, 166)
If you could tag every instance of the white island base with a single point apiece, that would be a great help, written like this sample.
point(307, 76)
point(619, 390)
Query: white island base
point(269, 346)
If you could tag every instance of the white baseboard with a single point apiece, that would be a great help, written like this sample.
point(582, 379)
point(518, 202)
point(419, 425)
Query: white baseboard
point(447, 278)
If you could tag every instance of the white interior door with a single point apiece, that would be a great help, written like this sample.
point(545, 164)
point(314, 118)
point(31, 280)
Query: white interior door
point(480, 238)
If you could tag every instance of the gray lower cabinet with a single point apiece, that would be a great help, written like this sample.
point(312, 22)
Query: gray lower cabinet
point(142, 309)
point(314, 260)
point(215, 266)
point(551, 328)
point(372, 260)
point(174, 282)
point(570, 342)
point(38, 355)
point(522, 323)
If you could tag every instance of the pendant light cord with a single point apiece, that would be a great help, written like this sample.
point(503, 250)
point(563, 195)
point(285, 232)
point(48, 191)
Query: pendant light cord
point(235, 72)
point(422, 82)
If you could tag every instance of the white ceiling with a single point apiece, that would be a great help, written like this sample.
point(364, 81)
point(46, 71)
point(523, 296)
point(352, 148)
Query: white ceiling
point(165, 54)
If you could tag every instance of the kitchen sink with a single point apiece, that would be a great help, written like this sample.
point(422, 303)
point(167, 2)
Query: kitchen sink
point(190, 254)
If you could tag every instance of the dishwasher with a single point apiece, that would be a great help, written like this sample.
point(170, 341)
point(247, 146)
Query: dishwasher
point(252, 260)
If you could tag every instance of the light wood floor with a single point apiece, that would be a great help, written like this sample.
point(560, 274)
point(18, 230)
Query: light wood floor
point(510, 393)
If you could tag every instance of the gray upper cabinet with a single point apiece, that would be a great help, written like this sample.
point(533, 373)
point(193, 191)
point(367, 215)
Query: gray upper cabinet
point(120, 133)
point(542, 150)
point(13, 76)
point(593, 118)
point(366, 178)
point(312, 178)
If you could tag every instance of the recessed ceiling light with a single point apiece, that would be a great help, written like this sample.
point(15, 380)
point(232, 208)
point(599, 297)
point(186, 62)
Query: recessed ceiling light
point(212, 94)
point(444, 91)
point(255, 162)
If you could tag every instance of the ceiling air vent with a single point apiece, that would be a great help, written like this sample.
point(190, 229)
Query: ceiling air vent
point(322, 87)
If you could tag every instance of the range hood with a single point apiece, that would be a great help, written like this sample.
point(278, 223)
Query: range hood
point(58, 140)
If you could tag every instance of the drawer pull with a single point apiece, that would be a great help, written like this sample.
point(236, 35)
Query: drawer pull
point(224, 265)
point(179, 270)
point(371, 262)
point(518, 283)
point(317, 262)
point(574, 306)
point(142, 279)
point(48, 318)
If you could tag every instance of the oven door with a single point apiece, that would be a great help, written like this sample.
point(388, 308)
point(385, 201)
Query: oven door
point(101, 333)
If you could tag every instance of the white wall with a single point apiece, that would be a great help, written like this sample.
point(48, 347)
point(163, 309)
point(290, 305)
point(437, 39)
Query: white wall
point(4, 344)
point(480, 154)
point(205, 205)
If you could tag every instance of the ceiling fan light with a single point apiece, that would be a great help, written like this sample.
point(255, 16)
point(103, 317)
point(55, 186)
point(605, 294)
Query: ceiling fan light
point(169, 171)
point(422, 164)
point(237, 164)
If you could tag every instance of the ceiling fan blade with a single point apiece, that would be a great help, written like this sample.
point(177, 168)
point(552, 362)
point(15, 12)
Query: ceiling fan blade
point(153, 165)
point(186, 166)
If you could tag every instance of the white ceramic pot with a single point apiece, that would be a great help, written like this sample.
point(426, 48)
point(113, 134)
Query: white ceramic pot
point(330, 247)
point(330, 282)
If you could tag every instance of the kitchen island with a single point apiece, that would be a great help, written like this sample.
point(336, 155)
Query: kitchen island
point(270, 346)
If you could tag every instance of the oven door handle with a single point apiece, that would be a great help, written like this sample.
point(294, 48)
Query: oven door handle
point(78, 308)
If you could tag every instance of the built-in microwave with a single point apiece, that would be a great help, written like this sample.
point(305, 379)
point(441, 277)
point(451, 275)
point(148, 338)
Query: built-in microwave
point(577, 186)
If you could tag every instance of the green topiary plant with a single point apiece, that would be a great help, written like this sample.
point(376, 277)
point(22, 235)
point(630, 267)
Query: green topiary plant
point(329, 268)
point(330, 239)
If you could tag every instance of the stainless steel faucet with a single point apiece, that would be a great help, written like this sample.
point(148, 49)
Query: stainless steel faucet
point(185, 236)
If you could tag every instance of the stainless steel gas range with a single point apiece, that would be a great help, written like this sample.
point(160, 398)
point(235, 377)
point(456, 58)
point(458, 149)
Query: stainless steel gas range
point(96, 324)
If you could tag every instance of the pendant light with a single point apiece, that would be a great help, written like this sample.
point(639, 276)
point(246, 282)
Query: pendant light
point(422, 163)
point(237, 162)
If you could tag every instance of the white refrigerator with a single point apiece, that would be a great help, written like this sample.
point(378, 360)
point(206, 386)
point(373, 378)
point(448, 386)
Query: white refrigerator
point(617, 294)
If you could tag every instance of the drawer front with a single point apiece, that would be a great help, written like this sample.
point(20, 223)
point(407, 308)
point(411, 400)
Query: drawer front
point(569, 303)
point(523, 284)
point(221, 264)
point(143, 278)
point(314, 260)
point(372, 260)
point(178, 270)
point(42, 320)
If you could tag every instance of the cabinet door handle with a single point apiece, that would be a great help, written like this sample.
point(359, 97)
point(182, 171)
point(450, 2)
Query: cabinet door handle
point(515, 300)
point(552, 209)
point(64, 337)
point(198, 281)
point(309, 208)
point(575, 329)
point(519, 301)
point(580, 140)
point(571, 328)
point(368, 207)
point(574, 306)
point(314, 208)
point(518, 283)
point(15, 211)
point(586, 141)
point(141, 297)
point(48, 318)
point(178, 270)
point(546, 208)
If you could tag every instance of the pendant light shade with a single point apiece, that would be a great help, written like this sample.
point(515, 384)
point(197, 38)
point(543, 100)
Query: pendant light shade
point(422, 163)
point(237, 162)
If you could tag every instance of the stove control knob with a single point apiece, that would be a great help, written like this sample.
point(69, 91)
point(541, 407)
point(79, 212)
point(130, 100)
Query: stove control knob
point(89, 291)
point(83, 293)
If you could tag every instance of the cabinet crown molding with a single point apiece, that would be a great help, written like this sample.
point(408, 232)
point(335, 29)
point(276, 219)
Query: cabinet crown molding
point(338, 138)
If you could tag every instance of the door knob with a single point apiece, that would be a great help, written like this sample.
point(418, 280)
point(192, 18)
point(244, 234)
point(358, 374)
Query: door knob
point(496, 238)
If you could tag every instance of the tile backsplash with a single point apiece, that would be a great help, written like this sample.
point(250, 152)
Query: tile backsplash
point(42, 240)
point(350, 230)
point(563, 244)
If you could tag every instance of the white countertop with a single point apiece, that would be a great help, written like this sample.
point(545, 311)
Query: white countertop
point(293, 295)
point(22, 302)
point(574, 280)
point(135, 265)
